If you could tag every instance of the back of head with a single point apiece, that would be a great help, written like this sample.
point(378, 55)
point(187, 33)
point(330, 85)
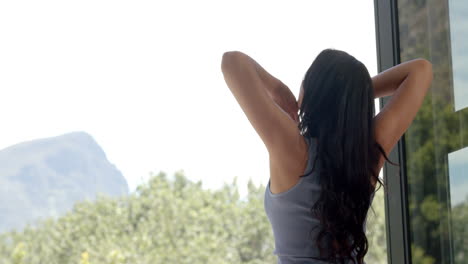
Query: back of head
point(338, 109)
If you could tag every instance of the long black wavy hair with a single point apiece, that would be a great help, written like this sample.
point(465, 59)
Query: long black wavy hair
point(338, 109)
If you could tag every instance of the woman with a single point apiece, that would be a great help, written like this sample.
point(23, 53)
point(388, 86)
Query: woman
point(325, 160)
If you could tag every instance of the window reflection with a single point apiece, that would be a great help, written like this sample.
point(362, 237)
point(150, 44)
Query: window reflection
point(436, 143)
point(458, 166)
point(458, 40)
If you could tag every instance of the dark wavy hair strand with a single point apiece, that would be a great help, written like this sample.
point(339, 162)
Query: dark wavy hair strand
point(338, 109)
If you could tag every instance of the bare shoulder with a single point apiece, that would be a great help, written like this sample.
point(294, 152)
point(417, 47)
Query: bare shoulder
point(288, 163)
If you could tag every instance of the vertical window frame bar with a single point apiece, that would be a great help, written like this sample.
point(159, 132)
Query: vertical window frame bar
point(396, 200)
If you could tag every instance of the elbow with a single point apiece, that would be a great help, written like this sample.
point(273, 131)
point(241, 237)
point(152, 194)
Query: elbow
point(429, 69)
point(227, 58)
point(228, 55)
point(426, 66)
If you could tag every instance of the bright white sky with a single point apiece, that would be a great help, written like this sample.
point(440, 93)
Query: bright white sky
point(144, 77)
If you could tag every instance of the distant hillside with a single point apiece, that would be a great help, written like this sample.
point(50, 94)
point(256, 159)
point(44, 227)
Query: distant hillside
point(45, 177)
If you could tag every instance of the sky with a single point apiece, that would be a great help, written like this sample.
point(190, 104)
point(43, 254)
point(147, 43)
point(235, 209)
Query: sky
point(144, 77)
point(459, 57)
point(457, 176)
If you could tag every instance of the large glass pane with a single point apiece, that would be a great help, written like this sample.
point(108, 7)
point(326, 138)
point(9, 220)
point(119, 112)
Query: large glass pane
point(458, 12)
point(437, 141)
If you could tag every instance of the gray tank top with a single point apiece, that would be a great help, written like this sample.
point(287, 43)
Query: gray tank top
point(290, 217)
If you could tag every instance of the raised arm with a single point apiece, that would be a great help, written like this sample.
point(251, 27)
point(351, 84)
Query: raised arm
point(387, 82)
point(251, 84)
point(409, 83)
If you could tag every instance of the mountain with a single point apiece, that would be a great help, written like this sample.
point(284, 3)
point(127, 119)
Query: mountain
point(45, 177)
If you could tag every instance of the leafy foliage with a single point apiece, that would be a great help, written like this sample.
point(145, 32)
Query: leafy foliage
point(438, 229)
point(163, 221)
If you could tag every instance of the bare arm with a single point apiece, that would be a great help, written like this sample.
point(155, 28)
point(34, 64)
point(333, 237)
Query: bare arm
point(271, 82)
point(272, 124)
point(275, 88)
point(386, 83)
point(410, 82)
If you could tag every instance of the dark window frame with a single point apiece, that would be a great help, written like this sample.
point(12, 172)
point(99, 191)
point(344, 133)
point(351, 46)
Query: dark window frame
point(396, 200)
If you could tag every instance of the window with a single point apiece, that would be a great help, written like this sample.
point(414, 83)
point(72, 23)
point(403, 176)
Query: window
point(121, 142)
point(436, 143)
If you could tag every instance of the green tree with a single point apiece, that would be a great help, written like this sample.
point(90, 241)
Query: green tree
point(437, 230)
point(163, 221)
